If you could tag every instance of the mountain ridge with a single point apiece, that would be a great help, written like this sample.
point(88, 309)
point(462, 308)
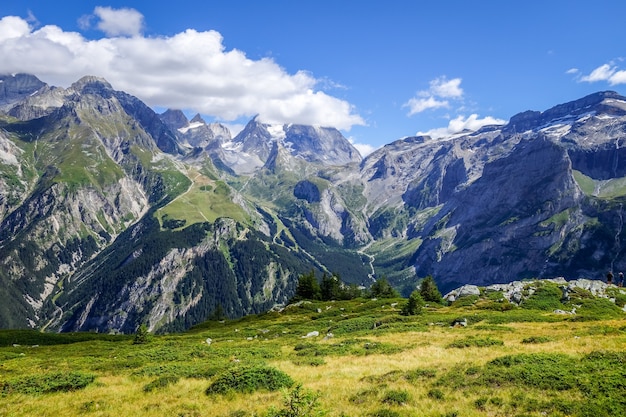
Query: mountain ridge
point(162, 220)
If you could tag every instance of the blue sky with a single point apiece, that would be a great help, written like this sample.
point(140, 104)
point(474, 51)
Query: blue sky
point(378, 71)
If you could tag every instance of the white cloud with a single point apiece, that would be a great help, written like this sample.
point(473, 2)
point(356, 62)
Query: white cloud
point(618, 78)
point(119, 22)
point(461, 123)
point(363, 148)
point(190, 70)
point(12, 27)
point(606, 72)
point(418, 105)
point(602, 73)
point(440, 88)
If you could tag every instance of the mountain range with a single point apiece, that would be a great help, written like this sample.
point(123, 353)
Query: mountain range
point(112, 215)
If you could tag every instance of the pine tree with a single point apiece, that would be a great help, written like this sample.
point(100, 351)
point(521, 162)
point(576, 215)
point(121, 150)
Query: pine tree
point(142, 335)
point(308, 288)
point(330, 287)
point(414, 305)
point(382, 289)
point(429, 290)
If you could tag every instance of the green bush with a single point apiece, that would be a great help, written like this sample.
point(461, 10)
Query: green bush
point(436, 394)
point(536, 339)
point(250, 379)
point(298, 403)
point(597, 309)
point(161, 382)
point(396, 397)
point(547, 297)
point(354, 324)
point(46, 383)
point(473, 341)
point(384, 412)
point(419, 374)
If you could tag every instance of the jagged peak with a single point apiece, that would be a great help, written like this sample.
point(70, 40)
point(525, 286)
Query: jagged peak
point(197, 119)
point(174, 118)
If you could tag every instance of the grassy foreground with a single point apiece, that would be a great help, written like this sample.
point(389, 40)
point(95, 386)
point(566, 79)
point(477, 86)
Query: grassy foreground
point(507, 361)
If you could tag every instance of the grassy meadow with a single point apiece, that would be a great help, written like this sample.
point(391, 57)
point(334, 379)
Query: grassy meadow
point(507, 361)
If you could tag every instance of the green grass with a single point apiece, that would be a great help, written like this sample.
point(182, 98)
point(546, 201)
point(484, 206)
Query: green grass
point(204, 200)
point(612, 188)
point(519, 362)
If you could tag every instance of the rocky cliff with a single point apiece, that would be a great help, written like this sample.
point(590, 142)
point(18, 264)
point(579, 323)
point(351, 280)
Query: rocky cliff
point(112, 215)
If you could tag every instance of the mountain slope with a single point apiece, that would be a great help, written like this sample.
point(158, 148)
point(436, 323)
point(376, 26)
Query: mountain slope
point(112, 215)
point(538, 197)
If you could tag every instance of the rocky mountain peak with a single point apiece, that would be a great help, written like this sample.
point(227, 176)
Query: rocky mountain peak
point(175, 119)
point(16, 87)
point(600, 102)
point(314, 144)
point(90, 84)
point(198, 119)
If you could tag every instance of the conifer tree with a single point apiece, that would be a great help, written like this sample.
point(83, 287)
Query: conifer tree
point(429, 290)
point(414, 305)
point(308, 288)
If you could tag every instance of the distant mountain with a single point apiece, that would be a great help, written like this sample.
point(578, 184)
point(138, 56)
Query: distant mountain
point(112, 215)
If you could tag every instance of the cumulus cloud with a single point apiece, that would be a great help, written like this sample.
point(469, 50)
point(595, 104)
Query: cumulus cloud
point(119, 22)
point(606, 72)
point(363, 148)
point(462, 123)
point(443, 87)
point(189, 70)
point(435, 97)
point(419, 104)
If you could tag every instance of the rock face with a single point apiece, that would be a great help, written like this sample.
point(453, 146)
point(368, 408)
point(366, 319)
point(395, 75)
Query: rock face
point(532, 198)
point(14, 88)
point(195, 133)
point(260, 144)
point(112, 215)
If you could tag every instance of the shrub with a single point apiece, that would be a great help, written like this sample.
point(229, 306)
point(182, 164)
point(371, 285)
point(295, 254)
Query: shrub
point(547, 297)
point(396, 397)
point(251, 379)
point(473, 341)
point(298, 403)
point(384, 412)
point(161, 382)
point(419, 374)
point(47, 383)
point(536, 339)
point(597, 309)
point(436, 394)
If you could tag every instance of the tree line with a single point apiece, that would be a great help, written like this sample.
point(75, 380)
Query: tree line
point(330, 287)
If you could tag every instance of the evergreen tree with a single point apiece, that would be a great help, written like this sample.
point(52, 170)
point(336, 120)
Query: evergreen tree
point(429, 290)
point(382, 289)
point(330, 287)
point(308, 288)
point(414, 305)
point(142, 335)
point(351, 292)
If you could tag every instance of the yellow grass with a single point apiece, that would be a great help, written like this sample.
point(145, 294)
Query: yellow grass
point(341, 381)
